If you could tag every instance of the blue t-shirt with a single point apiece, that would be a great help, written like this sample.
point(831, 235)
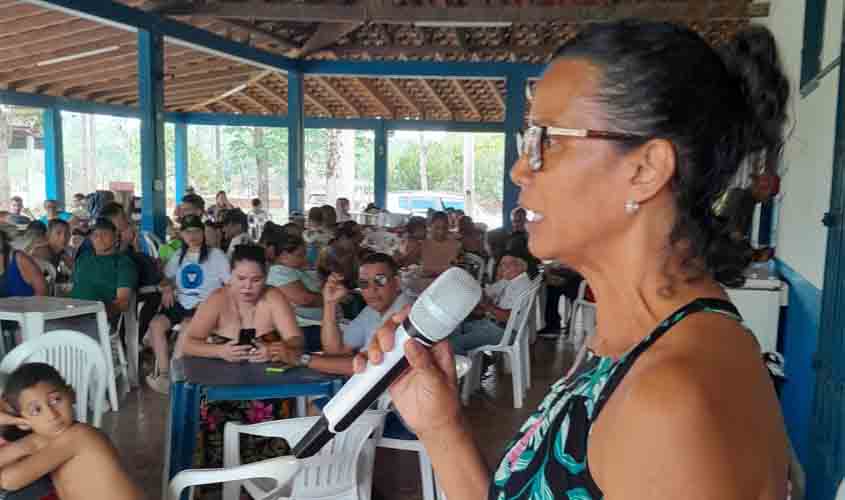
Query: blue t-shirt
point(65, 216)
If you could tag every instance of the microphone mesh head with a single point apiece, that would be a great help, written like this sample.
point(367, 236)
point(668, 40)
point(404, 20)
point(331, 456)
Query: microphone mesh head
point(445, 303)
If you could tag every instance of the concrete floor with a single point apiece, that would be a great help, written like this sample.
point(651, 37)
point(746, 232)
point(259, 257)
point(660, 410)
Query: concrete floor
point(138, 429)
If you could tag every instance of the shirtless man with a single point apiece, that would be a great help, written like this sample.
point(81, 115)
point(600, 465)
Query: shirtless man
point(244, 303)
point(40, 401)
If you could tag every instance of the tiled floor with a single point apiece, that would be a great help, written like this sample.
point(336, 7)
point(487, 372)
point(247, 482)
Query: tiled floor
point(138, 429)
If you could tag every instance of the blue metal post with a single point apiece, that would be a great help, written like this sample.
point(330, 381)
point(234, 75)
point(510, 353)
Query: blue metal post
point(54, 162)
point(151, 101)
point(296, 146)
point(181, 160)
point(380, 174)
point(514, 116)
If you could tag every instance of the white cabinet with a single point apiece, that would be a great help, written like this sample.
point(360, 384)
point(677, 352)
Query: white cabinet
point(759, 302)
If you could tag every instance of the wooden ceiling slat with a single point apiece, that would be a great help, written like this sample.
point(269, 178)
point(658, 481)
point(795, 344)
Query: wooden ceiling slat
point(19, 59)
point(436, 97)
point(22, 39)
point(22, 10)
point(80, 64)
point(391, 13)
point(466, 98)
point(255, 101)
point(494, 91)
point(256, 78)
point(283, 103)
point(230, 78)
point(337, 95)
point(49, 18)
point(403, 95)
point(376, 95)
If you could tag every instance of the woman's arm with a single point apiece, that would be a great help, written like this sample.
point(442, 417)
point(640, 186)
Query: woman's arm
point(200, 327)
point(284, 320)
point(32, 273)
point(298, 295)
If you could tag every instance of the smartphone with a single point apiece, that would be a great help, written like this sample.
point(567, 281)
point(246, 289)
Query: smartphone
point(246, 336)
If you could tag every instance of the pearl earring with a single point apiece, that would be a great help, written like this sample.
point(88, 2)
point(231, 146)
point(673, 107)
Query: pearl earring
point(631, 207)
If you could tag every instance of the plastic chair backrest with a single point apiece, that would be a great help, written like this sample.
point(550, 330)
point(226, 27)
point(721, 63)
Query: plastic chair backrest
point(153, 244)
point(77, 357)
point(334, 471)
point(280, 470)
point(520, 313)
point(478, 265)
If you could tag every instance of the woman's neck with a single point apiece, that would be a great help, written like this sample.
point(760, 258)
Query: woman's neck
point(636, 286)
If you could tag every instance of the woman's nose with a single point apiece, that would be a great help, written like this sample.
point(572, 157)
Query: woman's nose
point(521, 172)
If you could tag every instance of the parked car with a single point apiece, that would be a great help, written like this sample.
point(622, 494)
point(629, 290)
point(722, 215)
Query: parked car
point(418, 202)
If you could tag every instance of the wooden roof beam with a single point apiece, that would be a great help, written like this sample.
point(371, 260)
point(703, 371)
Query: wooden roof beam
point(320, 106)
point(433, 49)
point(466, 98)
point(41, 35)
point(24, 59)
point(377, 96)
point(337, 95)
point(378, 11)
point(233, 90)
point(327, 34)
point(404, 96)
point(40, 72)
point(436, 98)
point(254, 101)
point(272, 93)
point(262, 33)
point(494, 90)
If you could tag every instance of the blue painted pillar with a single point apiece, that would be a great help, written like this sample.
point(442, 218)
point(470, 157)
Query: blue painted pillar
point(380, 174)
point(514, 115)
point(151, 101)
point(180, 162)
point(296, 138)
point(54, 162)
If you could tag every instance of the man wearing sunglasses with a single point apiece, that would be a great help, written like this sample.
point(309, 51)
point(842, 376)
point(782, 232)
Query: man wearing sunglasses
point(378, 278)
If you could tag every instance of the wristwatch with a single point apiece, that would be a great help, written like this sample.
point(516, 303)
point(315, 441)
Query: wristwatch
point(304, 359)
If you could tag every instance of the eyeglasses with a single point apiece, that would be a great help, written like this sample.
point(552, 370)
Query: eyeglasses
point(379, 280)
point(534, 138)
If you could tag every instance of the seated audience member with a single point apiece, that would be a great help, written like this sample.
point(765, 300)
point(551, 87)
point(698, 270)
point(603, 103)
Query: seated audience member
point(288, 273)
point(17, 212)
point(343, 254)
point(105, 274)
point(79, 207)
point(497, 238)
point(316, 232)
point(235, 227)
point(192, 204)
point(380, 286)
point(190, 277)
point(272, 234)
point(497, 302)
point(329, 218)
point(342, 209)
point(55, 247)
point(471, 238)
point(246, 302)
point(51, 207)
point(246, 307)
point(439, 252)
point(221, 205)
point(35, 236)
point(20, 276)
point(410, 251)
point(214, 235)
point(259, 215)
point(294, 229)
point(39, 405)
point(125, 233)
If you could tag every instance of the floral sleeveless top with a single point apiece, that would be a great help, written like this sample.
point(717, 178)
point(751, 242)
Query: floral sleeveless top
point(548, 458)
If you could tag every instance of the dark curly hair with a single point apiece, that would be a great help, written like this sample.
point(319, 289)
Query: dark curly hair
point(718, 108)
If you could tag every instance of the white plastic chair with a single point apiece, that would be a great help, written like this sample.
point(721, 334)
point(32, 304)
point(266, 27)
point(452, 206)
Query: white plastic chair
point(429, 485)
point(280, 470)
point(478, 263)
point(342, 469)
point(583, 324)
point(514, 345)
point(77, 357)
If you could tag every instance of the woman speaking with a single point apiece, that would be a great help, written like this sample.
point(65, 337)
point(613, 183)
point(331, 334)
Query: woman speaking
point(637, 129)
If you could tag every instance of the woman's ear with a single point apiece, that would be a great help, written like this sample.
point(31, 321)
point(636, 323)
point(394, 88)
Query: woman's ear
point(655, 167)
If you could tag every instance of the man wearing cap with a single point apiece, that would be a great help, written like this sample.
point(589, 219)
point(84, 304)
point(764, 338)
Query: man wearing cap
point(235, 227)
point(105, 274)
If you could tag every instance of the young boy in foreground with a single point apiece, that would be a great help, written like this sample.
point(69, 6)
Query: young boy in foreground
point(81, 461)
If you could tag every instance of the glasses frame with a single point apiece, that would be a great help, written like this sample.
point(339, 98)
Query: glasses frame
point(364, 284)
point(536, 135)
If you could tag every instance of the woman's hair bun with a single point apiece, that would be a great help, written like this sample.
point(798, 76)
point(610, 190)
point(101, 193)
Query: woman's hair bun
point(752, 57)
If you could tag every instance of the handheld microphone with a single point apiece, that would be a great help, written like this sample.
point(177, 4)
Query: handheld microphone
point(435, 314)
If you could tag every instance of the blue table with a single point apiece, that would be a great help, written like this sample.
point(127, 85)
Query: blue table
point(220, 380)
